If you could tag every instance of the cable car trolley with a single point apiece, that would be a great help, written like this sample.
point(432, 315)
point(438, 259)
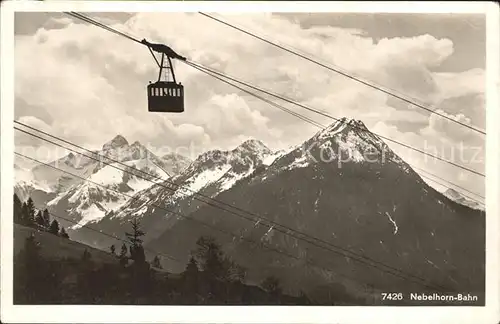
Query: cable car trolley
point(165, 95)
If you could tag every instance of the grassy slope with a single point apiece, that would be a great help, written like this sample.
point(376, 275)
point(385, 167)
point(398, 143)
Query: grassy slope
point(55, 247)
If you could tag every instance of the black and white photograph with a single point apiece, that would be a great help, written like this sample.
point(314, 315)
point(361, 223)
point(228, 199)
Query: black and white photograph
point(269, 155)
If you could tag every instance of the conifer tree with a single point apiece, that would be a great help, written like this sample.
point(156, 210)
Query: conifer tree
point(211, 259)
point(191, 272)
point(63, 233)
point(18, 210)
point(136, 249)
point(112, 249)
point(157, 263)
point(123, 255)
point(39, 218)
point(24, 213)
point(86, 256)
point(28, 278)
point(191, 281)
point(272, 285)
point(30, 212)
point(54, 227)
point(46, 218)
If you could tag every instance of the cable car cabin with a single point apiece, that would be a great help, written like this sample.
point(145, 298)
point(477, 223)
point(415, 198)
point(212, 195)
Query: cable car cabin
point(166, 96)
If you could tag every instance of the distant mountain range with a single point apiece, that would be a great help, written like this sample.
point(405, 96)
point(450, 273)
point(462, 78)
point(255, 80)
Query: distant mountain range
point(82, 197)
point(344, 187)
point(457, 197)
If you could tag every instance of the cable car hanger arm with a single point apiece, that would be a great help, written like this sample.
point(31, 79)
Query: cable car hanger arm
point(163, 49)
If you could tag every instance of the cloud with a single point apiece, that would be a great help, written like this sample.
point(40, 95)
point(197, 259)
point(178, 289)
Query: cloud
point(89, 84)
point(468, 82)
point(21, 138)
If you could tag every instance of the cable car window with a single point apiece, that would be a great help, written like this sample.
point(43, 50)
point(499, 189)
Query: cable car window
point(165, 96)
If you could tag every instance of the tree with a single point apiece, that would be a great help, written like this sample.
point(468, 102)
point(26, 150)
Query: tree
point(136, 249)
point(123, 255)
point(63, 233)
point(211, 258)
point(39, 219)
point(272, 285)
point(190, 281)
point(18, 210)
point(236, 271)
point(54, 227)
point(28, 213)
point(24, 213)
point(46, 218)
point(112, 249)
point(191, 269)
point(27, 275)
point(86, 256)
point(303, 299)
point(141, 279)
point(157, 263)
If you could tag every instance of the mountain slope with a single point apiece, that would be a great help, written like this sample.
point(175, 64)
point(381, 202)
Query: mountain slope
point(55, 247)
point(26, 186)
point(458, 198)
point(211, 173)
point(83, 199)
point(344, 186)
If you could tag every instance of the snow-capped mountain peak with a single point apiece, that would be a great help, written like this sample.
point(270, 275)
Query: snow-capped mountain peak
point(102, 181)
point(211, 173)
point(117, 142)
point(253, 145)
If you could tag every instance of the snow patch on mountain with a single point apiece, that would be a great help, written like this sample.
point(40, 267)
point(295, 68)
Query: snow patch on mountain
point(393, 223)
point(350, 145)
point(270, 158)
point(199, 181)
point(301, 162)
point(460, 199)
point(231, 177)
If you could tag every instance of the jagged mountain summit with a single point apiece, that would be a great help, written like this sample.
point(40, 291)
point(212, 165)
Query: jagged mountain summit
point(121, 167)
point(211, 173)
point(343, 186)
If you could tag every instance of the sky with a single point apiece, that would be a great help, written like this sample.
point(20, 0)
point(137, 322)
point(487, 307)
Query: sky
point(87, 85)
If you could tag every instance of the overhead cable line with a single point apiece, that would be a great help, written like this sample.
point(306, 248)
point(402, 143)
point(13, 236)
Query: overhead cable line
point(445, 160)
point(260, 220)
point(432, 111)
point(93, 229)
point(98, 24)
point(240, 237)
point(324, 114)
point(449, 182)
point(210, 201)
point(301, 51)
point(198, 66)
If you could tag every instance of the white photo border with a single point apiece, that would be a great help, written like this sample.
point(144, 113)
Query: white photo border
point(251, 314)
